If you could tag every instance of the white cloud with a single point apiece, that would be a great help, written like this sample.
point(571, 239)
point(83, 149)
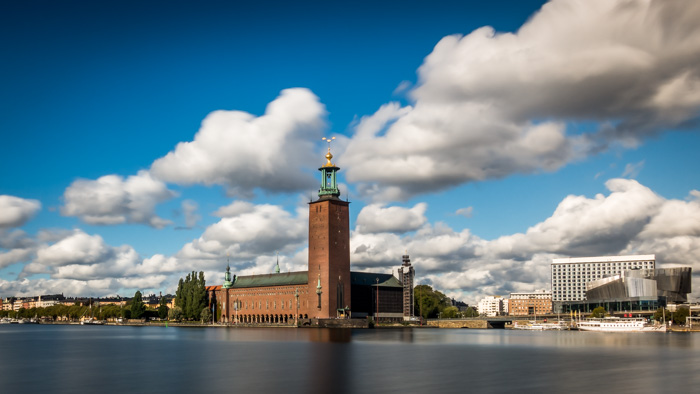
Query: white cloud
point(631, 219)
point(189, 208)
point(273, 152)
point(466, 212)
point(377, 218)
point(111, 199)
point(15, 211)
point(632, 170)
point(247, 233)
point(489, 105)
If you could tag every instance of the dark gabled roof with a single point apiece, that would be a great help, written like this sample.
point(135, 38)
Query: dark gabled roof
point(281, 279)
point(370, 279)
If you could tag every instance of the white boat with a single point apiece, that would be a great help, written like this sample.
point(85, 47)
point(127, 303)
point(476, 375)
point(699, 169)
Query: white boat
point(616, 324)
point(92, 321)
point(534, 326)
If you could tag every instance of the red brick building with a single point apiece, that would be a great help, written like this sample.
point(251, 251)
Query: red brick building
point(327, 289)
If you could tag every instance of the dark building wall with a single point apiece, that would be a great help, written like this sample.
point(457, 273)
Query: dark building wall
point(364, 300)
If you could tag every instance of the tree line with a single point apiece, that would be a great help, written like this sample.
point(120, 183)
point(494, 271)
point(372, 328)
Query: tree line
point(431, 304)
point(134, 309)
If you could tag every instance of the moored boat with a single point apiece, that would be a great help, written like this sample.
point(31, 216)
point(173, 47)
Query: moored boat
point(92, 322)
point(616, 324)
point(534, 326)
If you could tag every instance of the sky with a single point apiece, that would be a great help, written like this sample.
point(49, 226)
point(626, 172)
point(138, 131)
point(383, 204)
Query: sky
point(144, 140)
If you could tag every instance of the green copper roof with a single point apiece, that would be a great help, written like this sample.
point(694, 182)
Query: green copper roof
point(370, 279)
point(283, 279)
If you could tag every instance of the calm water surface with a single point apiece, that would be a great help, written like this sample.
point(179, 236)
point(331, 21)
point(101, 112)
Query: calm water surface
point(108, 359)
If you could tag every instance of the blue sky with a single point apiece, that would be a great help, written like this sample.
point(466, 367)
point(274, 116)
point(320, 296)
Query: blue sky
point(483, 137)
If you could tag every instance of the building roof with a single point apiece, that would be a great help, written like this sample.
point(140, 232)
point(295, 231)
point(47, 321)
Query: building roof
point(370, 279)
point(302, 278)
point(605, 259)
point(282, 279)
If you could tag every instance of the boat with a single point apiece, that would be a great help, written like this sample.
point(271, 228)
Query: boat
point(534, 326)
point(91, 321)
point(616, 324)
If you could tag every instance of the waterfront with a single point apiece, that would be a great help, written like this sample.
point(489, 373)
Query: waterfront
point(109, 359)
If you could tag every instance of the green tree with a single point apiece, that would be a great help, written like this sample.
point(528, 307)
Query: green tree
point(450, 312)
point(680, 314)
point(137, 306)
point(191, 295)
point(175, 314)
point(659, 314)
point(471, 312)
point(163, 308)
point(598, 312)
point(205, 315)
point(428, 302)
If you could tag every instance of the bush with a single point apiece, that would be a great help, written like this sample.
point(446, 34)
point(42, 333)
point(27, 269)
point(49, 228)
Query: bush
point(598, 312)
point(175, 314)
point(205, 315)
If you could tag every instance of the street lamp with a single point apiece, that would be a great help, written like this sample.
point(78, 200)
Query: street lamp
point(377, 300)
point(296, 315)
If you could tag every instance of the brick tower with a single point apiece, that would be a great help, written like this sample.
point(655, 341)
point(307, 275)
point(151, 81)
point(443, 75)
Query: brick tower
point(329, 247)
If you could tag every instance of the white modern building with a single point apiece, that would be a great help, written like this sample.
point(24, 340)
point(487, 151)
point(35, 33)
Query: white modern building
point(491, 306)
point(570, 275)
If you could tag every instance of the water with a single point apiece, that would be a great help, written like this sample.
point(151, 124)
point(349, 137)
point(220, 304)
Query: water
point(108, 359)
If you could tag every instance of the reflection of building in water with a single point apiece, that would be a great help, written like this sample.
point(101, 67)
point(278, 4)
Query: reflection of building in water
point(538, 302)
point(327, 289)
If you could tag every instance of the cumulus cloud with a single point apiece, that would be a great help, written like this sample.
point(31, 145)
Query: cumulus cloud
point(630, 219)
point(15, 211)
point(377, 218)
point(489, 105)
point(249, 234)
point(111, 199)
point(71, 287)
point(245, 152)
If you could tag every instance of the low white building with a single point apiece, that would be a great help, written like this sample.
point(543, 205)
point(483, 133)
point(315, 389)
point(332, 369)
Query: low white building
point(491, 306)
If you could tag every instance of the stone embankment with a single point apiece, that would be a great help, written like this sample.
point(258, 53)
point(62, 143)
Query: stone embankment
point(458, 323)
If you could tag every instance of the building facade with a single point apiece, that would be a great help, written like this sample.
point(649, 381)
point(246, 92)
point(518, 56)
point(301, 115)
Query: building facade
point(406, 276)
point(491, 306)
point(538, 302)
point(327, 289)
point(571, 275)
point(637, 290)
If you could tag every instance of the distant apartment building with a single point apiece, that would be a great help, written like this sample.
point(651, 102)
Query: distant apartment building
point(571, 275)
point(538, 302)
point(46, 301)
point(491, 306)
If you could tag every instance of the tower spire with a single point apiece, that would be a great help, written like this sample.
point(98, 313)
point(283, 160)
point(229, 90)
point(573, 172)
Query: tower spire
point(329, 183)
